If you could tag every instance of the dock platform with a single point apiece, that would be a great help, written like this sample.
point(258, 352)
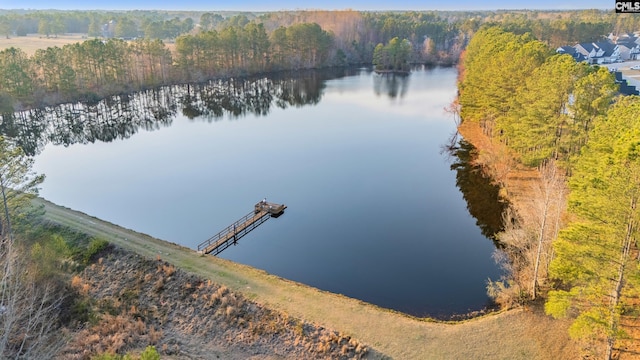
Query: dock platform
point(262, 211)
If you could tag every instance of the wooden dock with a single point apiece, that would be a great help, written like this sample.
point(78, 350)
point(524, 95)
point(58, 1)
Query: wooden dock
point(231, 234)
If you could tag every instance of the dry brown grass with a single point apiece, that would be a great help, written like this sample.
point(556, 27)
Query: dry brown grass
point(30, 43)
point(113, 334)
point(80, 286)
point(139, 317)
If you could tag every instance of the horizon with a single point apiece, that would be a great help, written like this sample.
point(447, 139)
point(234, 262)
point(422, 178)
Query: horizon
point(290, 5)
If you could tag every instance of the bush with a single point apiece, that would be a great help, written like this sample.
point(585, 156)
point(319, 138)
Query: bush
point(506, 293)
point(150, 353)
point(95, 247)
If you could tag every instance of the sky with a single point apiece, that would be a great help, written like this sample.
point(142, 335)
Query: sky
point(276, 5)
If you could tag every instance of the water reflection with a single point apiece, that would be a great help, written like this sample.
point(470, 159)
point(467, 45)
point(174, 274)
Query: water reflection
point(480, 193)
point(391, 84)
point(376, 214)
point(121, 116)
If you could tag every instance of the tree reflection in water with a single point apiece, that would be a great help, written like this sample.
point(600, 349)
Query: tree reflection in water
point(392, 84)
point(479, 191)
point(121, 116)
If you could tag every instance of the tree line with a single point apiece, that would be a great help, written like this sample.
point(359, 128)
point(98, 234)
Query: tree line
point(439, 29)
point(96, 68)
point(558, 28)
point(147, 24)
point(575, 240)
point(179, 49)
point(237, 46)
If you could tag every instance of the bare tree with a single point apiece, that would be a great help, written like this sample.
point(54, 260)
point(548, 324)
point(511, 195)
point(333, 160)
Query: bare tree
point(512, 258)
point(28, 312)
point(454, 109)
point(29, 305)
point(529, 232)
point(548, 206)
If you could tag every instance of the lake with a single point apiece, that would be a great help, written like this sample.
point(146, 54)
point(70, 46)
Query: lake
point(375, 207)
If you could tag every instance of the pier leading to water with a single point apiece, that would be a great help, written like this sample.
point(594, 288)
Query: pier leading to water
point(231, 234)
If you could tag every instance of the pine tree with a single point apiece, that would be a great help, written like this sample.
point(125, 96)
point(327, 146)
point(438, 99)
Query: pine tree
point(594, 263)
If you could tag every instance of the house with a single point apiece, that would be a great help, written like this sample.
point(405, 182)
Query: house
point(571, 51)
point(629, 53)
point(629, 46)
point(602, 52)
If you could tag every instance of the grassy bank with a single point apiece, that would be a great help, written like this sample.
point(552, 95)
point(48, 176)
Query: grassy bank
point(516, 334)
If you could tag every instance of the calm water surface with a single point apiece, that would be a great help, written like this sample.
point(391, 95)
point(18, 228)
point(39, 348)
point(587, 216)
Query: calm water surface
point(373, 208)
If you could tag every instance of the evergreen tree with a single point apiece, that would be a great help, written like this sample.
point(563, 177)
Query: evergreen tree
point(394, 56)
point(126, 28)
point(16, 77)
point(594, 260)
point(496, 64)
point(537, 124)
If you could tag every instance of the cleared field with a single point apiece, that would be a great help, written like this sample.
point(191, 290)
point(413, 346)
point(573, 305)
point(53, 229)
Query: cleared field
point(30, 43)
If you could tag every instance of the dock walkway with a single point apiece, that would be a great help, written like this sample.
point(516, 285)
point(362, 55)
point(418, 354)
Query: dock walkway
point(232, 233)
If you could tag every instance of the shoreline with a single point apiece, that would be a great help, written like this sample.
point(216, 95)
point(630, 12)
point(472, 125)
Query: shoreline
point(513, 334)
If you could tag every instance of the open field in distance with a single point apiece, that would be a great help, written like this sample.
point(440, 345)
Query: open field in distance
point(32, 42)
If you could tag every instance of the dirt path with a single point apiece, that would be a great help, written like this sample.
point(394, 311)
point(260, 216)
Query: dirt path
point(516, 334)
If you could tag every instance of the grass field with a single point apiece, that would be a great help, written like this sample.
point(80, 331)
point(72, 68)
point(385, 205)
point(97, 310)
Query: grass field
point(32, 42)
point(515, 334)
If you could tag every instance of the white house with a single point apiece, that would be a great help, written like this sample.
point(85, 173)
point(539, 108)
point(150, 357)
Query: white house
point(602, 52)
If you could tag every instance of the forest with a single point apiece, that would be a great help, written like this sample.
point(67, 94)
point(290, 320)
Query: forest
point(130, 51)
point(575, 243)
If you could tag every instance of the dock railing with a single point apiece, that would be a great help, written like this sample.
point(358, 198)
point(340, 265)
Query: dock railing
point(232, 233)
